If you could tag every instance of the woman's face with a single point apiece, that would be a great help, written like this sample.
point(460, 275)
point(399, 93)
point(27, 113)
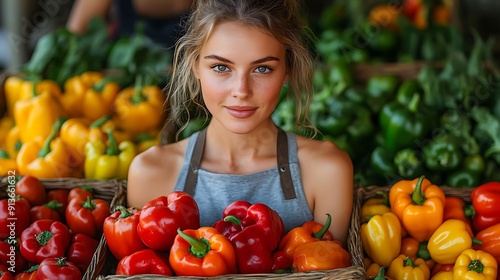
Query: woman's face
point(241, 71)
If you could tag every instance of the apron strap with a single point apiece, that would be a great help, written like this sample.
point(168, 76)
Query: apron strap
point(283, 166)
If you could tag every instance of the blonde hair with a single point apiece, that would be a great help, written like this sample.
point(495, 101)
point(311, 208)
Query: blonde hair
point(281, 18)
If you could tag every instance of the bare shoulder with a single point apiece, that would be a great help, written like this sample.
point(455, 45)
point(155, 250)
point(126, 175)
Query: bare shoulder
point(323, 154)
point(154, 172)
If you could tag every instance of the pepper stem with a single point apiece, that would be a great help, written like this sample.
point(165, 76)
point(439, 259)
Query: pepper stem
point(112, 149)
point(319, 235)
point(476, 266)
point(4, 154)
point(44, 237)
point(100, 121)
point(418, 196)
point(233, 220)
point(138, 95)
point(53, 204)
point(61, 261)
point(413, 104)
point(199, 247)
point(476, 241)
point(46, 145)
point(89, 203)
point(423, 252)
point(124, 213)
point(469, 211)
point(381, 274)
point(409, 262)
point(385, 198)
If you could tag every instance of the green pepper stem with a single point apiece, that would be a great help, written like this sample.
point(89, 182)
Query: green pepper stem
point(233, 220)
point(100, 121)
point(469, 211)
point(476, 241)
point(89, 203)
point(46, 145)
point(409, 262)
point(32, 269)
point(4, 154)
point(418, 196)
point(414, 102)
point(385, 198)
point(138, 95)
point(143, 137)
point(423, 252)
point(199, 247)
point(124, 213)
point(53, 204)
point(112, 149)
point(319, 235)
point(381, 274)
point(476, 266)
point(44, 237)
point(61, 261)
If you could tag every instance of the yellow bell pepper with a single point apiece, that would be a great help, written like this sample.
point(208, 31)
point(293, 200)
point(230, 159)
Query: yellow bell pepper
point(119, 134)
point(75, 89)
point(6, 124)
point(139, 109)
point(376, 205)
point(12, 91)
point(48, 159)
point(475, 264)
point(109, 162)
point(145, 141)
point(404, 268)
point(13, 142)
point(7, 164)
point(443, 275)
point(99, 98)
point(30, 89)
point(381, 238)
point(76, 132)
point(372, 270)
point(36, 116)
point(449, 241)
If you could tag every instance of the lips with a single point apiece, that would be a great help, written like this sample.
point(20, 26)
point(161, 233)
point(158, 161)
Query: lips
point(241, 111)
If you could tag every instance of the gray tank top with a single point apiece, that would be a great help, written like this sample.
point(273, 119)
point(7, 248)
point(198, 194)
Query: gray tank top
point(213, 191)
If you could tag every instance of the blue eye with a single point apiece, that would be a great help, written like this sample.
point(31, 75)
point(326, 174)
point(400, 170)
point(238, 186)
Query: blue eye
point(263, 69)
point(220, 68)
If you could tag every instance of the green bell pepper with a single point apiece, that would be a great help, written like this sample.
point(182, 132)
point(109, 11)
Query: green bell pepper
point(382, 162)
point(407, 90)
point(408, 163)
point(402, 125)
point(380, 90)
point(462, 178)
point(443, 153)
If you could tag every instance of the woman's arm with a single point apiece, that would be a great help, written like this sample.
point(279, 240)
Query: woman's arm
point(327, 175)
point(83, 11)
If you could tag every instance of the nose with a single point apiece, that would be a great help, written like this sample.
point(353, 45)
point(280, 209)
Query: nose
point(241, 87)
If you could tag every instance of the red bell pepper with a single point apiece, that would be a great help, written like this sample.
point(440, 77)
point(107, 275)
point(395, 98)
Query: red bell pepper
point(161, 217)
point(29, 274)
point(490, 241)
point(5, 274)
point(202, 252)
point(87, 216)
point(31, 189)
point(58, 268)
point(14, 216)
point(255, 231)
point(61, 196)
point(454, 208)
point(486, 202)
point(11, 257)
point(281, 263)
point(146, 261)
point(82, 193)
point(81, 250)
point(46, 211)
point(44, 239)
point(120, 230)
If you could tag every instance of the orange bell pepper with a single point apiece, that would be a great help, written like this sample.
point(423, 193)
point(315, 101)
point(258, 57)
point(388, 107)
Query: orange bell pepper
point(442, 268)
point(443, 275)
point(310, 231)
point(320, 255)
point(376, 205)
point(475, 264)
point(411, 247)
point(490, 238)
point(454, 208)
point(419, 205)
point(404, 268)
point(449, 240)
point(381, 238)
point(371, 269)
point(202, 252)
point(49, 159)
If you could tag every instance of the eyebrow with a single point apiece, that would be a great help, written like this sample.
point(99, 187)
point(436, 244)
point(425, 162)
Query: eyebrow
point(258, 61)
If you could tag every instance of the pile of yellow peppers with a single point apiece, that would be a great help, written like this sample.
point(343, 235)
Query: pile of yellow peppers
point(88, 128)
point(412, 232)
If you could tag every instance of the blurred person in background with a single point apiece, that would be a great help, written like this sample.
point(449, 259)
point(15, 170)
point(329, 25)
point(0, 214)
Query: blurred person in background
point(162, 18)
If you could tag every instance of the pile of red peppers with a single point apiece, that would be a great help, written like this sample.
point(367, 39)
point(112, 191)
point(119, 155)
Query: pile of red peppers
point(166, 236)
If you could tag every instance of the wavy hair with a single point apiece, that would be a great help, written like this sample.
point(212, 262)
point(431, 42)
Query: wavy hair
point(281, 18)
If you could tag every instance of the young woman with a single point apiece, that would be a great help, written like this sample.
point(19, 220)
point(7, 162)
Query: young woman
point(232, 63)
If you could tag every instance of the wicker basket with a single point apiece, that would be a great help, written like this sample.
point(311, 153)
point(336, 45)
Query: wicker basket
point(112, 191)
point(365, 193)
point(104, 263)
